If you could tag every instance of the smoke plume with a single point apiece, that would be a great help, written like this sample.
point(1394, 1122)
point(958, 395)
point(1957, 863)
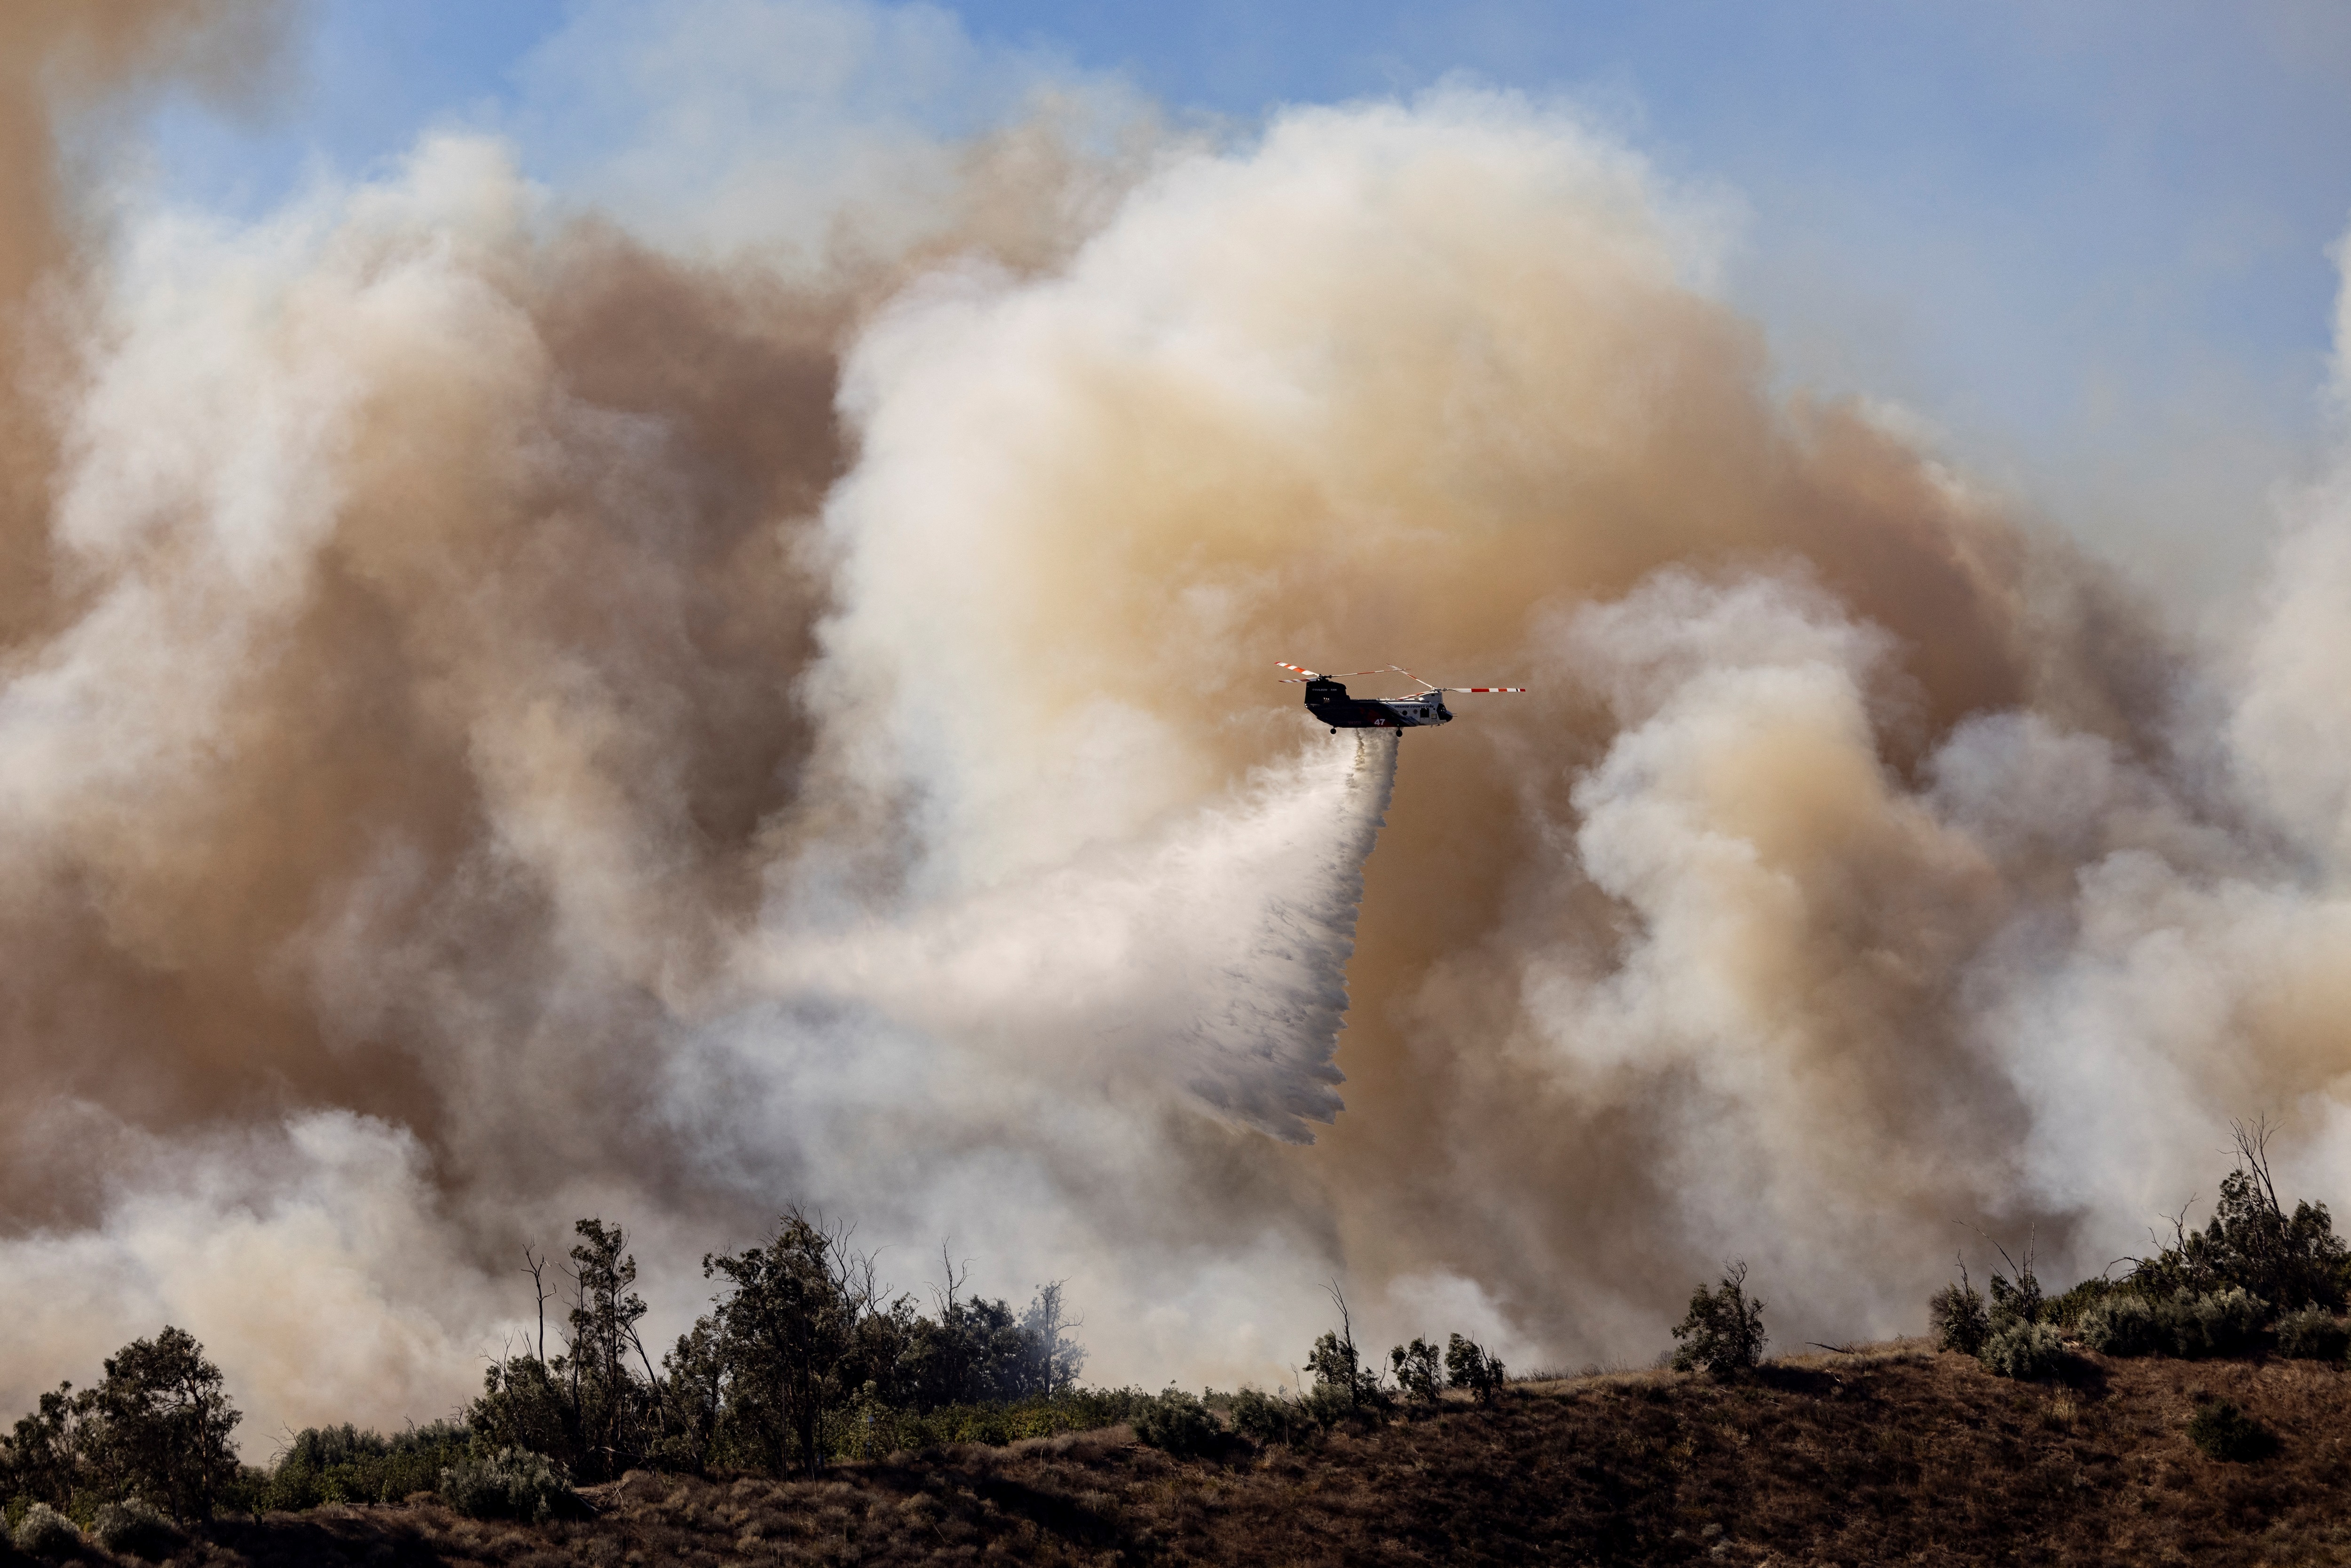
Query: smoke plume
point(512, 713)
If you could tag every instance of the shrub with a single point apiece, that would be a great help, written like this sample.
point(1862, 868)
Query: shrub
point(2016, 1301)
point(863, 1430)
point(2126, 1325)
point(1724, 1331)
point(524, 1405)
point(2067, 1311)
point(134, 1527)
point(512, 1483)
point(46, 1533)
point(1178, 1423)
point(1327, 1404)
point(674, 1455)
point(1269, 1419)
point(2313, 1333)
point(1957, 1315)
point(2224, 1432)
point(347, 1464)
point(2224, 1322)
point(247, 1491)
point(2029, 1352)
point(1470, 1366)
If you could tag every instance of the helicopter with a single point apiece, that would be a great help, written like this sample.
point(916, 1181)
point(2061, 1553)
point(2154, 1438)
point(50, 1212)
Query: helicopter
point(1328, 700)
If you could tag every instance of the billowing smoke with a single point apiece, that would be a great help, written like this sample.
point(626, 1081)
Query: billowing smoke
point(511, 712)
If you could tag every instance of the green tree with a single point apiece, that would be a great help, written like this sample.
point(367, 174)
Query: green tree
point(1055, 1357)
point(1723, 1334)
point(784, 1328)
point(1339, 1371)
point(598, 1407)
point(44, 1453)
point(2252, 1243)
point(616, 1413)
point(1418, 1371)
point(977, 1353)
point(159, 1425)
point(973, 1352)
point(695, 1387)
point(1468, 1364)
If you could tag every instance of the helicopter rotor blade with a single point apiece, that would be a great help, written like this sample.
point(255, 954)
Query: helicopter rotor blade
point(1478, 688)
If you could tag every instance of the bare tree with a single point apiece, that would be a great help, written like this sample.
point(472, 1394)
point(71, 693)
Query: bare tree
point(2253, 1140)
point(1335, 1360)
point(2016, 1295)
point(951, 1324)
point(1046, 1325)
point(537, 1269)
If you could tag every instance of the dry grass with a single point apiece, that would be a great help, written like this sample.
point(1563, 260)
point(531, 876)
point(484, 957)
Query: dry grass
point(1889, 1455)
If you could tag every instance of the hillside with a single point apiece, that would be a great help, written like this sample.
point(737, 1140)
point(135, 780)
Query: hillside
point(1892, 1455)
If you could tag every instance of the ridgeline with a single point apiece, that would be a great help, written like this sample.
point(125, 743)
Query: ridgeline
point(1892, 1454)
point(2195, 1410)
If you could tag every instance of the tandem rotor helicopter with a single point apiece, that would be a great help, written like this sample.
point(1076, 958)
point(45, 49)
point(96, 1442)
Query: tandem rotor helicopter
point(1327, 700)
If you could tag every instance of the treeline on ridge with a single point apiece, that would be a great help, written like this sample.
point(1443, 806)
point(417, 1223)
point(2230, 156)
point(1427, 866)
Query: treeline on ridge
point(803, 1359)
point(803, 1356)
point(2259, 1276)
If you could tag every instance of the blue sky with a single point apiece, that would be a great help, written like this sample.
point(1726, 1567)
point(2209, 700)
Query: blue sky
point(2087, 243)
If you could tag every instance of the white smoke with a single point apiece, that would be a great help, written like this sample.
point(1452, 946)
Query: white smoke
point(313, 1256)
point(1218, 947)
point(2291, 734)
point(813, 133)
point(1020, 1067)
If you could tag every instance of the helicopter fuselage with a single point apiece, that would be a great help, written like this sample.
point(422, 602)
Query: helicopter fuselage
point(1328, 700)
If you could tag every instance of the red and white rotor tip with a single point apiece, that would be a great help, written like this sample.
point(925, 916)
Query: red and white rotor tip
point(1481, 688)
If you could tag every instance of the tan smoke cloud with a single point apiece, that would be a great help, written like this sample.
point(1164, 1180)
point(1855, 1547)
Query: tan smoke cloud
point(525, 724)
point(57, 57)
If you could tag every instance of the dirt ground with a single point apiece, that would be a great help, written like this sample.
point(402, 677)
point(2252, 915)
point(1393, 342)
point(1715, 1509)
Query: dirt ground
point(1889, 1456)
